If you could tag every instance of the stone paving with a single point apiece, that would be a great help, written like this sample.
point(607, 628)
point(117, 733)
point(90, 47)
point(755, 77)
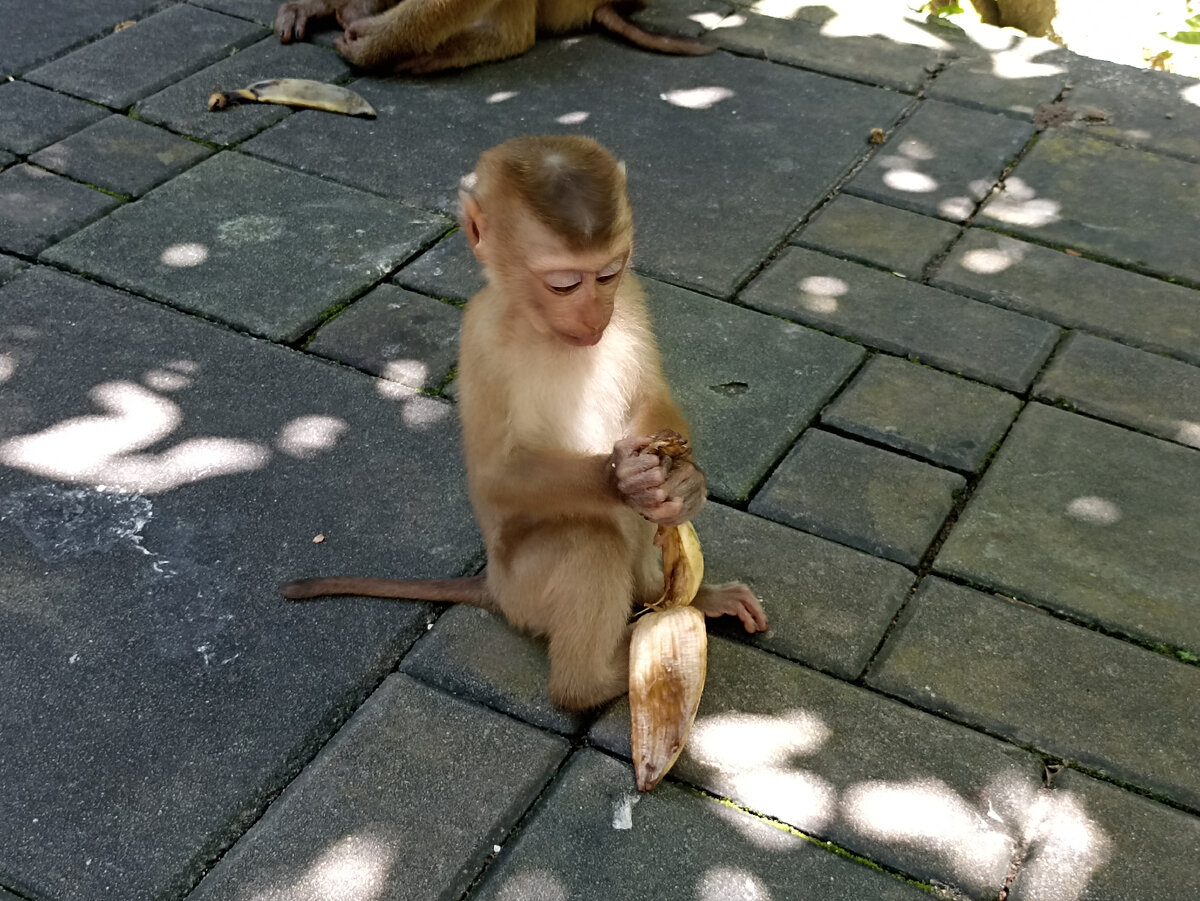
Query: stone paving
point(945, 382)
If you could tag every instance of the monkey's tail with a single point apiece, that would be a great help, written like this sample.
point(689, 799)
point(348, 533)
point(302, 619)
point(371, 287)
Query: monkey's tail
point(608, 17)
point(466, 590)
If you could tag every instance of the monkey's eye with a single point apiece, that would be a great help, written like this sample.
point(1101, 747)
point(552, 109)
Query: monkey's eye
point(563, 282)
point(610, 272)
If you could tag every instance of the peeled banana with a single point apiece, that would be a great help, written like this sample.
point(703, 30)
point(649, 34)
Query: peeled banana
point(298, 92)
point(668, 653)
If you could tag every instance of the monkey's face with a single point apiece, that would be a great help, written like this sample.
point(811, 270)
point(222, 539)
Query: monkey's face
point(571, 294)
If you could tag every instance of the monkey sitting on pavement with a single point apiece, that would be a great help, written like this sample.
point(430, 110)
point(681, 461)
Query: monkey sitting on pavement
point(560, 386)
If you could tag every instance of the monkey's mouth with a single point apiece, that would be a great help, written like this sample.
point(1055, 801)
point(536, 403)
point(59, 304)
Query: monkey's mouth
point(589, 341)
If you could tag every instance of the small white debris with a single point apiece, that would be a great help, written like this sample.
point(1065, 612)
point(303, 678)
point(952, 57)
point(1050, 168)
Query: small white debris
point(623, 812)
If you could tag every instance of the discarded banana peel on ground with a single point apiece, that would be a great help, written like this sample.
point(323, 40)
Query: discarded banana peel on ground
point(668, 653)
point(297, 92)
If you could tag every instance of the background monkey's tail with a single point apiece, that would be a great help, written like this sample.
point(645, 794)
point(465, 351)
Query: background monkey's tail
point(608, 17)
point(466, 590)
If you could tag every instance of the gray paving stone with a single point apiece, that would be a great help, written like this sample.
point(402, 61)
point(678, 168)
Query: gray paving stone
point(828, 605)
point(1075, 292)
point(60, 25)
point(10, 267)
point(903, 317)
point(871, 232)
point(686, 17)
point(1098, 843)
point(943, 160)
point(33, 117)
point(477, 655)
point(448, 270)
point(1088, 518)
point(260, 11)
point(183, 107)
point(121, 155)
point(906, 789)
point(1148, 392)
point(799, 40)
point(38, 208)
point(262, 248)
point(947, 420)
point(363, 818)
point(147, 57)
point(859, 495)
point(748, 383)
point(765, 142)
point(6, 159)
point(395, 334)
point(1152, 110)
point(163, 691)
point(595, 837)
point(1121, 710)
point(1015, 81)
point(1146, 216)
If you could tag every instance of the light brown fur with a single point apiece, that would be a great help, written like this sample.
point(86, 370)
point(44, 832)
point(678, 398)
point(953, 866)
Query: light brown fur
point(560, 383)
point(421, 36)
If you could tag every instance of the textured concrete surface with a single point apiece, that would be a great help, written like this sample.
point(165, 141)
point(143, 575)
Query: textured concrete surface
point(941, 363)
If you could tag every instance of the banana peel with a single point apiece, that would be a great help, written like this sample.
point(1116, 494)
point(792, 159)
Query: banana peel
point(298, 92)
point(668, 653)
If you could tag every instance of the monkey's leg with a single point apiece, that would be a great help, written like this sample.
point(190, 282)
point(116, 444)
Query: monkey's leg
point(571, 581)
point(412, 28)
point(476, 45)
point(292, 18)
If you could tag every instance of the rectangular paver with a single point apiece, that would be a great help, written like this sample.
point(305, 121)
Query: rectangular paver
point(395, 334)
point(362, 819)
point(1113, 707)
point(1147, 216)
point(1125, 385)
point(749, 383)
point(765, 142)
point(147, 56)
point(121, 155)
point(1096, 842)
point(903, 317)
point(828, 605)
point(60, 25)
point(447, 270)
point(1015, 80)
point(871, 232)
point(868, 498)
point(943, 160)
point(159, 476)
point(1088, 518)
point(38, 208)
point(1075, 292)
point(947, 420)
point(904, 788)
point(265, 249)
point(595, 837)
point(32, 117)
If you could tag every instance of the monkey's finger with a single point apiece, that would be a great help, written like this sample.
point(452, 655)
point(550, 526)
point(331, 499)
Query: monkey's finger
point(290, 23)
point(632, 445)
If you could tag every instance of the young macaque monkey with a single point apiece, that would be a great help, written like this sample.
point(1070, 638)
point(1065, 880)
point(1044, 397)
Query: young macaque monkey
point(422, 36)
point(560, 388)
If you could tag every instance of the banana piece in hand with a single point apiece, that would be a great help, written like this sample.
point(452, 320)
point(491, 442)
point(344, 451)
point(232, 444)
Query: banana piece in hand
point(668, 653)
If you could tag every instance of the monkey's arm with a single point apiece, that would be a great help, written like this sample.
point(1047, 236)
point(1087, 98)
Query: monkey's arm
point(549, 483)
point(411, 28)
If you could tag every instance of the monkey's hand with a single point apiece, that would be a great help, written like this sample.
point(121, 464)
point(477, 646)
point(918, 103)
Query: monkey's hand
point(291, 20)
point(733, 599)
point(667, 492)
point(365, 43)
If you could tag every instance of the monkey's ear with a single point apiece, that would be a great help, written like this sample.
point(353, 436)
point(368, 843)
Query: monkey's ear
point(471, 218)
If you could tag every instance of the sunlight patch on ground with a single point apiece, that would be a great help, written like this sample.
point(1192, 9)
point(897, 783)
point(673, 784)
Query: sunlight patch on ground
point(1189, 433)
point(697, 98)
point(576, 118)
point(1018, 204)
point(411, 372)
point(724, 883)
point(183, 256)
point(501, 96)
point(1095, 510)
point(819, 293)
point(307, 436)
point(1070, 848)
point(8, 366)
point(992, 260)
point(532, 883)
